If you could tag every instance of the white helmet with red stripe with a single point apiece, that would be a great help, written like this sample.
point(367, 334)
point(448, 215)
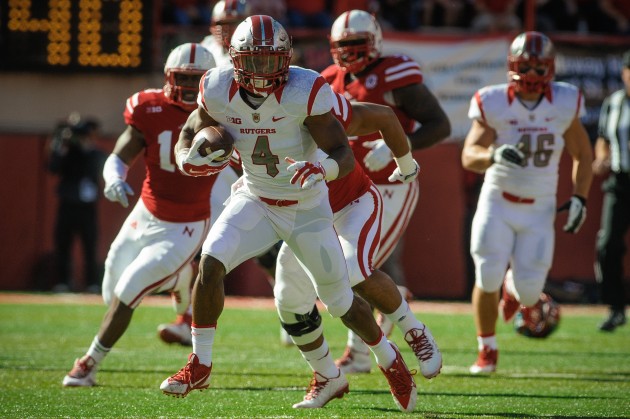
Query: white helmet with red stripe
point(226, 15)
point(355, 40)
point(183, 69)
point(261, 53)
point(531, 62)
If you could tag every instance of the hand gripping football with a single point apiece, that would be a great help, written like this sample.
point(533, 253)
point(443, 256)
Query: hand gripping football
point(216, 138)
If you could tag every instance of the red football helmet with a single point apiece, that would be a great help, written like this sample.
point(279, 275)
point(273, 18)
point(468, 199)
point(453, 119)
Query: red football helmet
point(531, 51)
point(226, 15)
point(261, 53)
point(355, 40)
point(540, 320)
point(183, 69)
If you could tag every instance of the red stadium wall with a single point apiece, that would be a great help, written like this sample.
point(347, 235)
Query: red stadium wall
point(28, 210)
point(433, 258)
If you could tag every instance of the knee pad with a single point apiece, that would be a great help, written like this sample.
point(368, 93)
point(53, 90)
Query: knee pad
point(303, 328)
point(488, 277)
point(107, 296)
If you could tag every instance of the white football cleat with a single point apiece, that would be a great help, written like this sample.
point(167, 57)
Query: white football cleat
point(194, 376)
point(401, 383)
point(486, 361)
point(83, 373)
point(177, 332)
point(426, 350)
point(321, 390)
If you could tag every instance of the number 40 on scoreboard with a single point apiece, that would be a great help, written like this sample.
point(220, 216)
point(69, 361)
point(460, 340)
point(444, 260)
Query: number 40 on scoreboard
point(76, 35)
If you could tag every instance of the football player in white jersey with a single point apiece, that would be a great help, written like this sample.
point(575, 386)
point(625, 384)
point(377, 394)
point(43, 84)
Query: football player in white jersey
point(226, 15)
point(518, 132)
point(363, 74)
point(154, 248)
point(278, 116)
point(357, 206)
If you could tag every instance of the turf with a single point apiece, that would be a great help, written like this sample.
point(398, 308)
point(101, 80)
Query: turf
point(578, 372)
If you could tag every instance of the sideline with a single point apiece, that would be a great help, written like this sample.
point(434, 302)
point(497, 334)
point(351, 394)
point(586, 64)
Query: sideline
point(261, 303)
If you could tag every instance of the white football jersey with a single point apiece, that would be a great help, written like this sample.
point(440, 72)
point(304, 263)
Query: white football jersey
point(538, 132)
point(275, 130)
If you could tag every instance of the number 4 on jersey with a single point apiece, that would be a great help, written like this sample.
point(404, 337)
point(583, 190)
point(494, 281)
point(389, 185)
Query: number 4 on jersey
point(263, 156)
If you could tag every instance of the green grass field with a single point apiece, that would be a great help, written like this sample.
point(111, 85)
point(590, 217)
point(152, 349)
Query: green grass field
point(578, 372)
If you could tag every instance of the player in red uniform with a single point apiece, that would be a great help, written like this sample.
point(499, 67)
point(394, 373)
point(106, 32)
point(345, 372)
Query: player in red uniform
point(164, 231)
point(357, 207)
point(362, 74)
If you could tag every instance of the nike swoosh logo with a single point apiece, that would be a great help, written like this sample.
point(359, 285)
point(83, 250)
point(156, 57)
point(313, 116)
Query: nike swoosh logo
point(274, 119)
point(196, 383)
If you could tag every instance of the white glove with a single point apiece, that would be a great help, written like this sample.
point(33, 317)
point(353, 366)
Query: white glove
point(191, 163)
point(508, 155)
point(577, 213)
point(407, 170)
point(306, 172)
point(379, 156)
point(310, 173)
point(117, 191)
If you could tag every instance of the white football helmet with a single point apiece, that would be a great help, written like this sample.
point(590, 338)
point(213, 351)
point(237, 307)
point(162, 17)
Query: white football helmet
point(261, 53)
point(183, 69)
point(531, 50)
point(355, 40)
point(226, 15)
point(540, 320)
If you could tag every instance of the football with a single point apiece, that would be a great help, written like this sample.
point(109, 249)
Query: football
point(216, 138)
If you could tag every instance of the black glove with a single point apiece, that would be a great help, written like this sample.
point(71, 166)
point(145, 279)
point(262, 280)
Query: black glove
point(577, 213)
point(508, 155)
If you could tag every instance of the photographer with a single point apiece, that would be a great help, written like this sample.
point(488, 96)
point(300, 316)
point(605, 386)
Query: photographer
point(79, 164)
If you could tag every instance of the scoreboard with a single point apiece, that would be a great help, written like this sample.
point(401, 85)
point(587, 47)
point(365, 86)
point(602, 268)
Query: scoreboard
point(76, 35)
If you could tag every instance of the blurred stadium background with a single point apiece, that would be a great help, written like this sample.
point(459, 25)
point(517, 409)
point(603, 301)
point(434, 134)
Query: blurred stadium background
point(60, 56)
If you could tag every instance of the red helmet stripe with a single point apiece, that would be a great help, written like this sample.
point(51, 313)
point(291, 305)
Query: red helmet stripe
point(193, 51)
point(347, 22)
point(230, 5)
point(262, 30)
point(533, 44)
point(256, 29)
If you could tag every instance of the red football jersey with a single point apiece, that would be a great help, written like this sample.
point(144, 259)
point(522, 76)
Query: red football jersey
point(390, 73)
point(166, 192)
point(350, 187)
